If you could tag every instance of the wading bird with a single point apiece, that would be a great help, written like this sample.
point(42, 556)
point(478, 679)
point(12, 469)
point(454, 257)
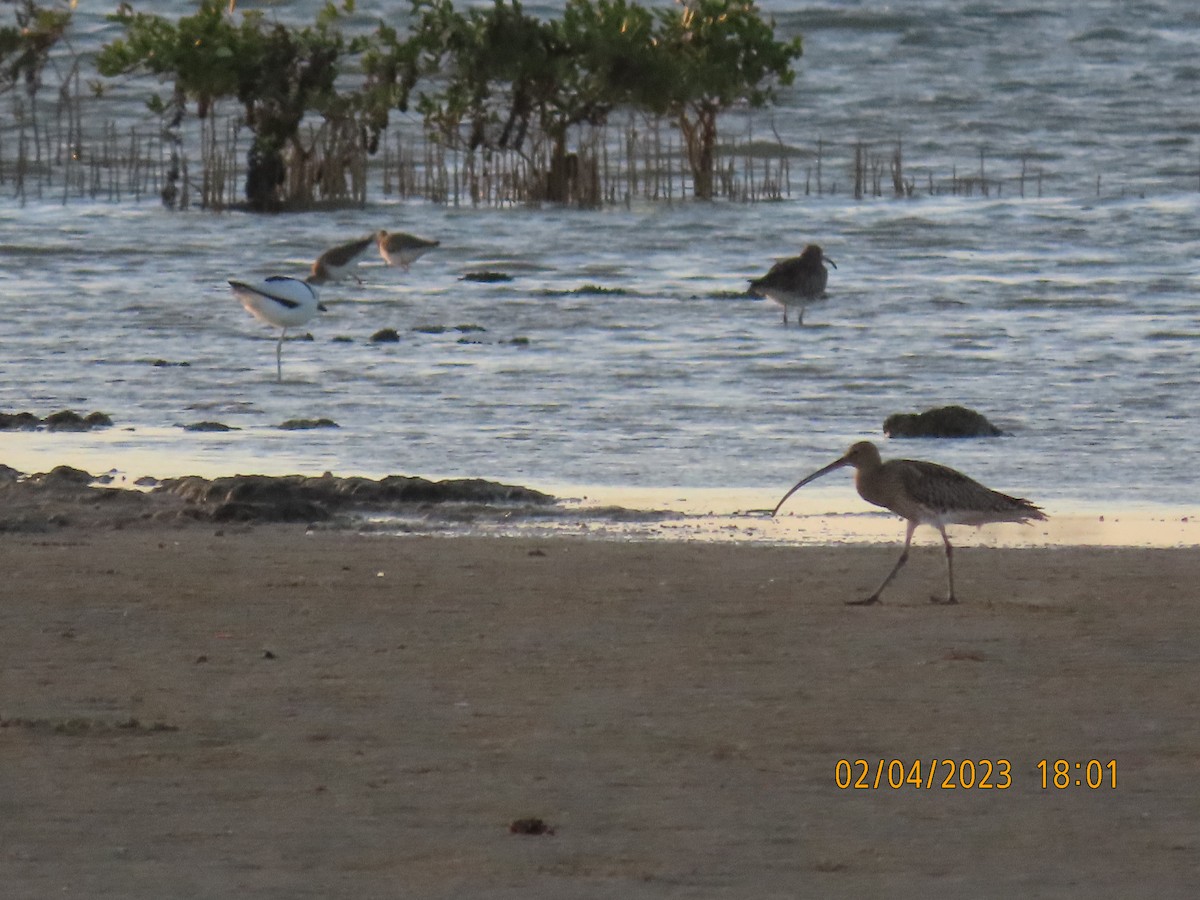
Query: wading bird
point(338, 262)
point(280, 301)
point(796, 281)
point(400, 249)
point(923, 493)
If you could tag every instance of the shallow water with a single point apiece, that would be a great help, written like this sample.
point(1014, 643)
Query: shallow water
point(1069, 320)
point(715, 515)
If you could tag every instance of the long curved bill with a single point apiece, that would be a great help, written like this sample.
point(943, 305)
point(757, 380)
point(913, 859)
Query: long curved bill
point(836, 464)
point(828, 260)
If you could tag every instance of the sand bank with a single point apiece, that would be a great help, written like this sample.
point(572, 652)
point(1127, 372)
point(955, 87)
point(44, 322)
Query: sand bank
point(200, 711)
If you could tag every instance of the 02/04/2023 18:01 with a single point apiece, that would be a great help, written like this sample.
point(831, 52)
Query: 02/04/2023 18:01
point(968, 774)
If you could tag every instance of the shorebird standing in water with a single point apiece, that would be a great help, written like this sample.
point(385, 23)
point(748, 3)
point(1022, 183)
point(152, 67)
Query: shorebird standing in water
point(337, 262)
point(796, 281)
point(924, 493)
point(400, 249)
point(280, 301)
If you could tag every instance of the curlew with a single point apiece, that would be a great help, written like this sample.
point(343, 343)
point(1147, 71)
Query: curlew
point(280, 301)
point(337, 262)
point(400, 249)
point(923, 493)
point(796, 281)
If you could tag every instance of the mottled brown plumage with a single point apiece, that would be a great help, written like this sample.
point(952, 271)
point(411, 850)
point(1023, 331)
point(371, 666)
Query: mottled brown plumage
point(336, 262)
point(400, 249)
point(796, 281)
point(923, 493)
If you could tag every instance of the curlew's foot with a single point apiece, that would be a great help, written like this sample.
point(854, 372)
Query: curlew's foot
point(950, 601)
point(870, 601)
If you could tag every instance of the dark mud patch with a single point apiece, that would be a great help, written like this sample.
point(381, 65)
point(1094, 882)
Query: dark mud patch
point(66, 497)
point(63, 420)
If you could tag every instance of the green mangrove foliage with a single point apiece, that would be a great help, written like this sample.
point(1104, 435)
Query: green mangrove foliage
point(487, 79)
point(504, 76)
point(25, 46)
point(278, 74)
point(499, 79)
point(25, 52)
point(711, 55)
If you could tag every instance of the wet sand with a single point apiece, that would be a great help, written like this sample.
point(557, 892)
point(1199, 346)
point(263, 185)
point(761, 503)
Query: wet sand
point(195, 711)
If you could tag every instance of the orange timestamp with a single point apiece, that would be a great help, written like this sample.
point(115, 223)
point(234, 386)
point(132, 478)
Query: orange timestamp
point(1081, 773)
point(969, 774)
point(927, 774)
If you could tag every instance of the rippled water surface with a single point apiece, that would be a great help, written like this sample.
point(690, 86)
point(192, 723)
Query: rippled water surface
point(1070, 320)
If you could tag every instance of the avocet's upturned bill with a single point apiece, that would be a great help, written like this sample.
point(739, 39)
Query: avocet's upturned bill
point(280, 301)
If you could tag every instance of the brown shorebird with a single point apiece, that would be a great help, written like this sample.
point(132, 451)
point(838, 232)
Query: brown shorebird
point(400, 249)
point(796, 281)
point(337, 262)
point(924, 493)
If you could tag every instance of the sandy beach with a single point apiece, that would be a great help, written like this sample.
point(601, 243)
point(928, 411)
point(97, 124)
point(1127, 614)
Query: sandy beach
point(193, 710)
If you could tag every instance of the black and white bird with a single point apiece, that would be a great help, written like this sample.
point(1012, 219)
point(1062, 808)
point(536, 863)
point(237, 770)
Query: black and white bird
point(280, 301)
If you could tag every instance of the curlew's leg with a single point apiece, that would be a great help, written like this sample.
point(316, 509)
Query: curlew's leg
point(874, 598)
point(279, 357)
point(949, 569)
point(785, 317)
point(800, 318)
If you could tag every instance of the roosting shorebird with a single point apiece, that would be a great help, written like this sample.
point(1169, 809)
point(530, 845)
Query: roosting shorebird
point(280, 301)
point(923, 493)
point(338, 262)
point(796, 281)
point(400, 249)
